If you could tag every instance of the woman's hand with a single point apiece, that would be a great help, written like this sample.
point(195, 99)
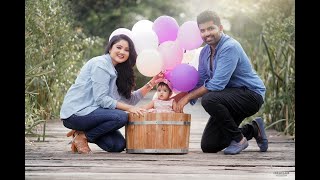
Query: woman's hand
point(137, 111)
point(146, 88)
point(156, 79)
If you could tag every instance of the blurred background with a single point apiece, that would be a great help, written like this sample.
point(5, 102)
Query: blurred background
point(61, 35)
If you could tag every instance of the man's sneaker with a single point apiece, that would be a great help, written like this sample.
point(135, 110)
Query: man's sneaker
point(261, 137)
point(236, 148)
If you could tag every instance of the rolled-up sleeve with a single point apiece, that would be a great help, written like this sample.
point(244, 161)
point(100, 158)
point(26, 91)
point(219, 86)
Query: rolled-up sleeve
point(100, 83)
point(136, 96)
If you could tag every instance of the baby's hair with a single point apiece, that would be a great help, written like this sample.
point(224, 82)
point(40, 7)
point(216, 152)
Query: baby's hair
point(164, 84)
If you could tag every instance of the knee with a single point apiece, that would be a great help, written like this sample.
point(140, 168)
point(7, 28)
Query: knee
point(66, 124)
point(112, 144)
point(118, 146)
point(204, 100)
point(122, 118)
point(207, 148)
point(208, 100)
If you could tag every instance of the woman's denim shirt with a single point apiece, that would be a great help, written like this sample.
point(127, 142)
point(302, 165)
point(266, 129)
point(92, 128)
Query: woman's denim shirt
point(95, 87)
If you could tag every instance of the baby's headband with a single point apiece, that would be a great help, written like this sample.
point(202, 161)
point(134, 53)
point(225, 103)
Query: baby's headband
point(166, 81)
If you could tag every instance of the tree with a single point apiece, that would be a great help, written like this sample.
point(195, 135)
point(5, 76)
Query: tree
point(101, 17)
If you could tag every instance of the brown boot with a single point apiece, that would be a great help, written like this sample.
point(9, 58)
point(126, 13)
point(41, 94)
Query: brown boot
point(79, 142)
point(73, 147)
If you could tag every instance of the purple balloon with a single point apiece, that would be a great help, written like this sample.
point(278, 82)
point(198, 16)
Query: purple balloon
point(184, 77)
point(166, 28)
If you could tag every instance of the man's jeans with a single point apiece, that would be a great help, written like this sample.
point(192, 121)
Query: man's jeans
point(227, 109)
point(101, 127)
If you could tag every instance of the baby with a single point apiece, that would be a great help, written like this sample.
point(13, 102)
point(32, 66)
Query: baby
point(163, 102)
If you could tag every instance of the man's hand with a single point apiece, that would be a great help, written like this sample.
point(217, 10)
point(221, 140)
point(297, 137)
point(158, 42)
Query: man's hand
point(180, 105)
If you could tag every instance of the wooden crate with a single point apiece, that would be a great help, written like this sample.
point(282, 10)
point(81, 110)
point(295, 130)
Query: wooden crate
point(158, 133)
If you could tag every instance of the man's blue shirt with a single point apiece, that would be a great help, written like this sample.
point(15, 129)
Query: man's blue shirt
point(231, 68)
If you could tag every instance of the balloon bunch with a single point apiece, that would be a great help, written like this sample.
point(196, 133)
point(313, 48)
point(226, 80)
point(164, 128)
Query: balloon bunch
point(160, 46)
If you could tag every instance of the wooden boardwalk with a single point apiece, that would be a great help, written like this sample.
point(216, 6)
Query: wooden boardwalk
point(52, 158)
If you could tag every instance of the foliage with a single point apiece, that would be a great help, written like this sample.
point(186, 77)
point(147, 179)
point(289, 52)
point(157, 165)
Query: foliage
point(101, 17)
point(54, 52)
point(56, 46)
point(271, 47)
point(279, 42)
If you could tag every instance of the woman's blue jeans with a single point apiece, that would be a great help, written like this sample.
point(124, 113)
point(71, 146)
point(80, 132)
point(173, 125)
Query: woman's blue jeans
point(101, 127)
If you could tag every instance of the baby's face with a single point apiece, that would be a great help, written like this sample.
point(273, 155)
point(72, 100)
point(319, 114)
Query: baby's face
point(163, 93)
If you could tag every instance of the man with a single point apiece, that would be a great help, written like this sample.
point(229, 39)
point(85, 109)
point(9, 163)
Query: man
point(230, 89)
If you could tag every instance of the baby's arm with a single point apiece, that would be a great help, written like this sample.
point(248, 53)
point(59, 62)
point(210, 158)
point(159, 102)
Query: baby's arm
point(150, 105)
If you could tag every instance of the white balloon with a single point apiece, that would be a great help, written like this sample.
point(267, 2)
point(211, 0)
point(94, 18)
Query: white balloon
point(124, 31)
point(195, 60)
point(145, 40)
point(149, 62)
point(188, 56)
point(142, 25)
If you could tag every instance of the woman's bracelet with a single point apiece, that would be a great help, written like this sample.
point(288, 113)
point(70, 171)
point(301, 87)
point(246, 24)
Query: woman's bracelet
point(150, 84)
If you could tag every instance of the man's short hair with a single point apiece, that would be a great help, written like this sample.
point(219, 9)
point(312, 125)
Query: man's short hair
point(208, 15)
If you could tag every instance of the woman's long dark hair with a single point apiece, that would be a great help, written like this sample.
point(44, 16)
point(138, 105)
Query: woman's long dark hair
point(126, 78)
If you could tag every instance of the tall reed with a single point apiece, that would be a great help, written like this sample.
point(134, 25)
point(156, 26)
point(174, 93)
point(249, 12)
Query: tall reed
point(54, 52)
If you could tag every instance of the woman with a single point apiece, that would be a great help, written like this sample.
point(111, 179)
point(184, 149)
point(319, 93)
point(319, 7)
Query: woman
point(95, 105)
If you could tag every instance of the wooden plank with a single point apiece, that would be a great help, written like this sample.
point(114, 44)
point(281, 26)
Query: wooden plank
point(52, 159)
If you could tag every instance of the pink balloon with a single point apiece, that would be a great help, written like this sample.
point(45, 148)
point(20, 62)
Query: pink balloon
point(166, 28)
point(189, 35)
point(184, 77)
point(171, 54)
point(167, 75)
